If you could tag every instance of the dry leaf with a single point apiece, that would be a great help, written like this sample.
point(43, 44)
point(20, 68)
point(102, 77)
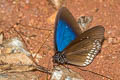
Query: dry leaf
point(51, 19)
point(20, 76)
point(14, 45)
point(15, 58)
point(84, 22)
point(56, 3)
point(62, 73)
point(13, 51)
point(15, 68)
point(1, 38)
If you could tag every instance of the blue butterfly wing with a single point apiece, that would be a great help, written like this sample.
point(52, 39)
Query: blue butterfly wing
point(63, 35)
point(66, 29)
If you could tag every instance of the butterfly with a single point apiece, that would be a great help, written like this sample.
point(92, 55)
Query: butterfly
point(72, 46)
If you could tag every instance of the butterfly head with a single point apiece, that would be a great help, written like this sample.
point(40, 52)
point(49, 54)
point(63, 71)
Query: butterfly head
point(59, 57)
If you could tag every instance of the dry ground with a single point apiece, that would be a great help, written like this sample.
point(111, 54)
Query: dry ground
point(31, 20)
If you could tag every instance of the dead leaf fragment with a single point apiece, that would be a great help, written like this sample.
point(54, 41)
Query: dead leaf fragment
point(57, 3)
point(62, 73)
point(51, 19)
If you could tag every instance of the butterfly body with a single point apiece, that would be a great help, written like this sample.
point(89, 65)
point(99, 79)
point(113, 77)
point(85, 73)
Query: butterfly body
point(72, 46)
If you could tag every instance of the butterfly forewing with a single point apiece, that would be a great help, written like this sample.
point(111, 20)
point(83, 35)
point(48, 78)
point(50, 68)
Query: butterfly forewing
point(85, 47)
point(64, 35)
point(66, 29)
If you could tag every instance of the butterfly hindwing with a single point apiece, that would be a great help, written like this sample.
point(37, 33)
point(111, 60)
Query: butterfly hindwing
point(85, 47)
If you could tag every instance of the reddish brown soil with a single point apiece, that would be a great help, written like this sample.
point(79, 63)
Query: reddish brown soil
point(29, 20)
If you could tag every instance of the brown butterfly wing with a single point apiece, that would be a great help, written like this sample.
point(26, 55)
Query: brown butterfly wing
point(85, 47)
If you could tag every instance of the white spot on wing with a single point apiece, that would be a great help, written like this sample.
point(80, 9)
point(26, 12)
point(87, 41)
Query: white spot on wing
point(92, 53)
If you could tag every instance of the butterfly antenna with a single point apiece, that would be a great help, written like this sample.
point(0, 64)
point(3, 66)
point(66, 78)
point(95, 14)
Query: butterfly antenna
point(95, 73)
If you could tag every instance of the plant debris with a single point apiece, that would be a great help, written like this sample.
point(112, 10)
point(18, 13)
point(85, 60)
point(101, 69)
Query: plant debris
point(15, 58)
